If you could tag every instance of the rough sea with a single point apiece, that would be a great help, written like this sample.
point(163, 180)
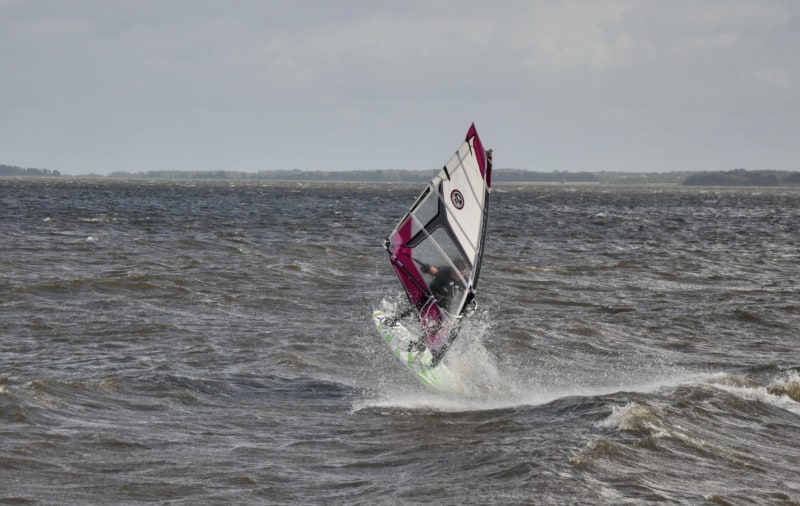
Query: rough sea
point(212, 343)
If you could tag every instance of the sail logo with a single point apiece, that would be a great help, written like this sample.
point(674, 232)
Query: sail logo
point(457, 199)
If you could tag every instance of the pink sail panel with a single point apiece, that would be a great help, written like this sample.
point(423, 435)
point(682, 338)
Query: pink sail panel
point(481, 154)
point(403, 263)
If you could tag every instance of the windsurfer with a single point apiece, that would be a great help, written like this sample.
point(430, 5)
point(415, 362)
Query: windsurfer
point(447, 280)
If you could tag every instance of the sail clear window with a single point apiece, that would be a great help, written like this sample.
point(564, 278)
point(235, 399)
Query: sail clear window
point(425, 211)
point(449, 286)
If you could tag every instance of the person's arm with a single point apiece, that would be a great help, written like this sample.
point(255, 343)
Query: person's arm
point(430, 269)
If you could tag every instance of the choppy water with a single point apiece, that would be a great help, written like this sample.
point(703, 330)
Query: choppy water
point(211, 343)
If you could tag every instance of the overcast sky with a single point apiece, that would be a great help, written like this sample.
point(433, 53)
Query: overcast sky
point(630, 85)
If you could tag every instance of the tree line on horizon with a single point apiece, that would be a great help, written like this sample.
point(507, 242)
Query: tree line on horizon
point(743, 177)
point(736, 177)
point(377, 175)
point(11, 170)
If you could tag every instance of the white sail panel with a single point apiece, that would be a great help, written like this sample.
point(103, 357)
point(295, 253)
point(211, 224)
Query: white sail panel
point(464, 194)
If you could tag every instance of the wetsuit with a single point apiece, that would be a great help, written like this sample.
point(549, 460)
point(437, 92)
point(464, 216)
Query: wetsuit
point(444, 288)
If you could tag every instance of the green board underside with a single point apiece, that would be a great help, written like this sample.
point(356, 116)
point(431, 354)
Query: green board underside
point(399, 339)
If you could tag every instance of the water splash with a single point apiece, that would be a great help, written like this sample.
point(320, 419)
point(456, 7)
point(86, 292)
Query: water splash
point(782, 392)
point(488, 382)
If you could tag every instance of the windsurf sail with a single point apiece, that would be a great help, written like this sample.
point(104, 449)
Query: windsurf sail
point(437, 247)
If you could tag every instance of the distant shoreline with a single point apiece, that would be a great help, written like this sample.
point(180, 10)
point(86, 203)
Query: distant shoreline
point(736, 177)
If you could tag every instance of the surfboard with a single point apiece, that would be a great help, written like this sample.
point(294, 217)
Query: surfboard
point(400, 340)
